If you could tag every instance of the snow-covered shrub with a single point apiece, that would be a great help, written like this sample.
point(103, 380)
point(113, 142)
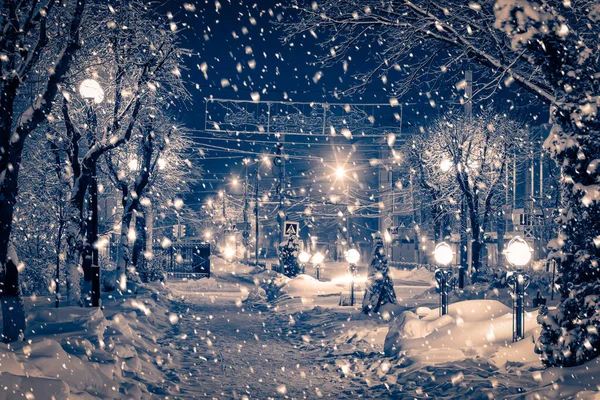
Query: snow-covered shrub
point(37, 278)
point(288, 257)
point(151, 270)
point(380, 288)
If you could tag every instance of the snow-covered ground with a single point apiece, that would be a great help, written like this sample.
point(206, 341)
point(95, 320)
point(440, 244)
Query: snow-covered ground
point(249, 333)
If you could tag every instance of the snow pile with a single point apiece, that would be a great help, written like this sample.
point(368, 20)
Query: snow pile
point(417, 275)
point(474, 327)
point(74, 352)
point(307, 286)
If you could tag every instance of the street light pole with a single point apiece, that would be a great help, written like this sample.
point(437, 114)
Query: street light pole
point(279, 162)
point(245, 233)
point(256, 211)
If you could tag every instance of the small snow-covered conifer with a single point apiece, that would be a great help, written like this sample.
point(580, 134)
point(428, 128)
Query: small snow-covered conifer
point(380, 288)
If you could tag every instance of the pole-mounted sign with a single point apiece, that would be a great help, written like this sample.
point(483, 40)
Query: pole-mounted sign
point(291, 228)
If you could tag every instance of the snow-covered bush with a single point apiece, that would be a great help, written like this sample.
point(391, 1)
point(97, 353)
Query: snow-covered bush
point(152, 270)
point(288, 257)
point(380, 288)
point(37, 278)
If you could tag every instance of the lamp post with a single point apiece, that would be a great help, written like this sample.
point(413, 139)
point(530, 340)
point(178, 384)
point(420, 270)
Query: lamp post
point(352, 257)
point(92, 93)
point(317, 259)
point(443, 256)
point(518, 254)
point(304, 258)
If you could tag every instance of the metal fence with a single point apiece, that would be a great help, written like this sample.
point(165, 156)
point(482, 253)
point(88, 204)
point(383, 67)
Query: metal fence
point(183, 259)
point(411, 265)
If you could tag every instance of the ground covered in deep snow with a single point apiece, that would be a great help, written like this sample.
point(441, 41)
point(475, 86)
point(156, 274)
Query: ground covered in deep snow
point(249, 333)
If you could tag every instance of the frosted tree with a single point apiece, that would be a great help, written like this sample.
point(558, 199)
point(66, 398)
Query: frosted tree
point(135, 59)
point(288, 257)
point(38, 40)
point(549, 51)
point(40, 215)
point(458, 157)
point(151, 166)
point(380, 288)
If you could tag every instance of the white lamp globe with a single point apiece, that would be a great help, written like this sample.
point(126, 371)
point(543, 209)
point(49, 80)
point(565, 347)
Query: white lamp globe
point(304, 257)
point(317, 258)
point(518, 252)
point(443, 254)
point(352, 256)
point(90, 89)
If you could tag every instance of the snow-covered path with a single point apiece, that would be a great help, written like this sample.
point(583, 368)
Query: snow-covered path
point(232, 352)
point(228, 349)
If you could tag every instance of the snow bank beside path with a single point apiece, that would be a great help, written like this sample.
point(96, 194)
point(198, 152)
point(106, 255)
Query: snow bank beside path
point(471, 328)
point(83, 353)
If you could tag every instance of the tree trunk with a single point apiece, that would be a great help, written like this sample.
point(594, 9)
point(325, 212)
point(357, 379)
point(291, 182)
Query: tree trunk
point(12, 305)
point(476, 244)
point(124, 250)
point(13, 314)
point(139, 245)
point(73, 269)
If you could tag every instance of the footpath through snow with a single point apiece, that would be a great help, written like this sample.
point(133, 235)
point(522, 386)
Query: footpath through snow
point(248, 334)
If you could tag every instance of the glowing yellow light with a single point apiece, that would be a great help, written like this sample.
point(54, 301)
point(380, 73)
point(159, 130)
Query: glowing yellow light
point(352, 256)
point(443, 254)
point(340, 172)
point(90, 89)
point(317, 258)
point(304, 257)
point(518, 252)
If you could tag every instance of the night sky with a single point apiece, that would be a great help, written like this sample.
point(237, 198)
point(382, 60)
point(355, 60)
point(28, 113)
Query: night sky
point(239, 52)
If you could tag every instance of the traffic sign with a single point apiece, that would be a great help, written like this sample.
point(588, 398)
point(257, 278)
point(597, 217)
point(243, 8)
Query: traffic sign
point(291, 228)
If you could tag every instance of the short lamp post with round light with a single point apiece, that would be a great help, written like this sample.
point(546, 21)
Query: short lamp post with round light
point(518, 254)
point(443, 256)
point(92, 93)
point(352, 257)
point(317, 259)
point(304, 258)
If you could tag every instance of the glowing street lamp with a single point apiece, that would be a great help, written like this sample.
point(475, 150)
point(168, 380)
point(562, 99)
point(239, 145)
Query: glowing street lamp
point(304, 258)
point(340, 172)
point(443, 256)
point(90, 89)
point(91, 92)
point(317, 259)
point(518, 254)
point(352, 257)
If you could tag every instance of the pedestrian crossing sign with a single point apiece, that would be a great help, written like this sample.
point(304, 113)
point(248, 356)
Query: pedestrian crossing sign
point(291, 228)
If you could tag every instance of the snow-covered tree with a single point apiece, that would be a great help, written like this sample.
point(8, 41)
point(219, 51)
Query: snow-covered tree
point(549, 50)
point(38, 41)
point(380, 288)
point(459, 157)
point(40, 215)
point(136, 60)
point(150, 166)
point(288, 257)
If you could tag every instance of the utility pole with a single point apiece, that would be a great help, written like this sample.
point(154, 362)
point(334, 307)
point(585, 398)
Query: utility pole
point(245, 233)
point(348, 235)
point(279, 162)
point(224, 219)
point(256, 210)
